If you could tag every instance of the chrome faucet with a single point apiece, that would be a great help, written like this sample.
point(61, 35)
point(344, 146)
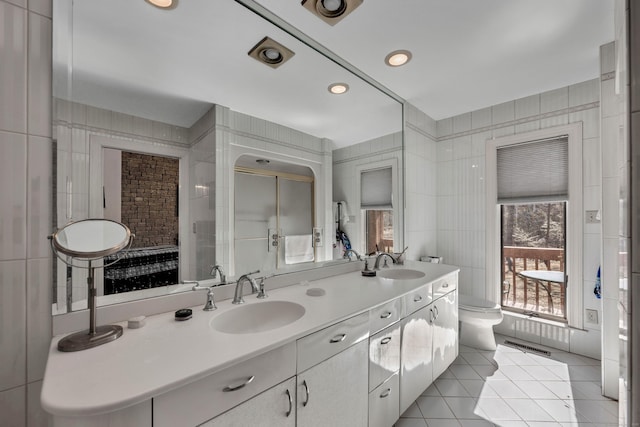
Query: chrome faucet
point(381, 255)
point(237, 296)
point(348, 252)
point(210, 305)
point(218, 269)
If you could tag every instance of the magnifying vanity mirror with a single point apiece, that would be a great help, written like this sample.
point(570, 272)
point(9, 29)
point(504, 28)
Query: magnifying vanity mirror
point(179, 85)
point(90, 240)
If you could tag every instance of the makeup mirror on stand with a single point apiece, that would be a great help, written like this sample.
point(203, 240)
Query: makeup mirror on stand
point(90, 240)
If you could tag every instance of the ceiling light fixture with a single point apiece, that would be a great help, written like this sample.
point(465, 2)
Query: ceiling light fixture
point(163, 4)
point(270, 52)
point(338, 88)
point(331, 11)
point(398, 58)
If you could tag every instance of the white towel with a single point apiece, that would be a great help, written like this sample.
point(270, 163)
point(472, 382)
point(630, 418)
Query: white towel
point(344, 213)
point(298, 249)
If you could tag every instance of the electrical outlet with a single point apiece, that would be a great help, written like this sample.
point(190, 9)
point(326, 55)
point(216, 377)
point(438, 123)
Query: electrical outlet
point(592, 316)
point(592, 217)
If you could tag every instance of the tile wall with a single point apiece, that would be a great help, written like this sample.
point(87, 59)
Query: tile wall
point(461, 195)
point(25, 212)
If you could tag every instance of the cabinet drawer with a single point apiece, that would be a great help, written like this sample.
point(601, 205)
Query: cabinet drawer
point(417, 299)
point(445, 285)
point(202, 400)
point(323, 344)
point(384, 355)
point(385, 315)
point(383, 404)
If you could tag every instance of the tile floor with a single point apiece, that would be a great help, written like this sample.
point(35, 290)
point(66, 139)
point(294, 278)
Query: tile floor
point(511, 388)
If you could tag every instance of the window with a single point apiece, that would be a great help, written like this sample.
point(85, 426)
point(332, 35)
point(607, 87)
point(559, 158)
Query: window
point(534, 223)
point(376, 204)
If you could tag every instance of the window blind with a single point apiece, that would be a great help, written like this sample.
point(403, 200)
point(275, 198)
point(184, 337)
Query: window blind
point(533, 171)
point(375, 189)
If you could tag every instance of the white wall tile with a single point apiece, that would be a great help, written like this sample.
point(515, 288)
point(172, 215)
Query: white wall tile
point(554, 100)
point(610, 130)
point(13, 187)
point(502, 113)
point(586, 343)
point(611, 375)
point(43, 7)
point(461, 147)
point(481, 118)
point(591, 162)
point(444, 150)
point(39, 300)
point(610, 198)
point(590, 122)
point(479, 142)
point(609, 103)
point(39, 200)
point(98, 117)
point(608, 57)
point(528, 330)
point(584, 92)
point(527, 127)
point(527, 107)
point(507, 326)
point(553, 336)
point(12, 324)
point(13, 74)
point(13, 407)
point(462, 123)
point(39, 92)
point(550, 122)
point(444, 127)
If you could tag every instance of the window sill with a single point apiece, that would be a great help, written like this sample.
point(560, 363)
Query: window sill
point(544, 321)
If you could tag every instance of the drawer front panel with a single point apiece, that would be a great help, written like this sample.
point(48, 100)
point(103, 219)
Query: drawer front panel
point(327, 342)
point(383, 404)
point(204, 399)
point(417, 299)
point(385, 315)
point(384, 355)
point(445, 285)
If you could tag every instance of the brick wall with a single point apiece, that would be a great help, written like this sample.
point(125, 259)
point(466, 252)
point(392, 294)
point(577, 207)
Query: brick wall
point(150, 198)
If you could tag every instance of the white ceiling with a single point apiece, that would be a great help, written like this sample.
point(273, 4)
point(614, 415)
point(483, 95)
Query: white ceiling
point(171, 66)
point(467, 54)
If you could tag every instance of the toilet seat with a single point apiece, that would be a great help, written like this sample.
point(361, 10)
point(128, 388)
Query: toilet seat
point(478, 305)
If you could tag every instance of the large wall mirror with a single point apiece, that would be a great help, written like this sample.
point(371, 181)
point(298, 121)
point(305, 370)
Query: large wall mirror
point(174, 95)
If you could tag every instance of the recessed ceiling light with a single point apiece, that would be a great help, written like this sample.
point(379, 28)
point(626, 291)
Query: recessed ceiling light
point(270, 52)
point(398, 58)
point(163, 4)
point(338, 88)
point(331, 11)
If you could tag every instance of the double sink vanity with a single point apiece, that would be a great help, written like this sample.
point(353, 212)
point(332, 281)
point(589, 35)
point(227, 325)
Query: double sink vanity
point(345, 350)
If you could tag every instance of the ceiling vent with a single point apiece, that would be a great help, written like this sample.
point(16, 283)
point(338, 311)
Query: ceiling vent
point(331, 11)
point(270, 52)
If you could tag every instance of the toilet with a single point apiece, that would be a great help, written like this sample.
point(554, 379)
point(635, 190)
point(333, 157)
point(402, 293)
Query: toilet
point(477, 317)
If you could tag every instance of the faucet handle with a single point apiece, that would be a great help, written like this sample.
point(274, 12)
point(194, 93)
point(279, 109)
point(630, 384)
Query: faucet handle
point(261, 293)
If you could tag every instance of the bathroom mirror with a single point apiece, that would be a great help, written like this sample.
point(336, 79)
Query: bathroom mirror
point(179, 83)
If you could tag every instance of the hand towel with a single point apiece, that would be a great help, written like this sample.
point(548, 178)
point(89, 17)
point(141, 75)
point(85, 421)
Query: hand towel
point(298, 249)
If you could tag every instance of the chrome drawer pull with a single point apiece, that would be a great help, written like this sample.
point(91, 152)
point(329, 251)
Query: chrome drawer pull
point(290, 403)
point(238, 387)
point(306, 391)
point(417, 298)
point(435, 307)
point(446, 285)
point(338, 338)
point(431, 318)
point(385, 393)
point(386, 315)
point(385, 340)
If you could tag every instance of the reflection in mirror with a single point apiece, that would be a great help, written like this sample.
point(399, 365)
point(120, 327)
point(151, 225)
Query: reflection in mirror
point(121, 81)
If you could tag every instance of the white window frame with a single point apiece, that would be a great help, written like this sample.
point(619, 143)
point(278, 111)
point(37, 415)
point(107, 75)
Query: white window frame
point(574, 218)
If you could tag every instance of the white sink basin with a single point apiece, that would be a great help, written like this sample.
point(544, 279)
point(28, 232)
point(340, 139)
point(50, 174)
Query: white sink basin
point(400, 274)
point(258, 317)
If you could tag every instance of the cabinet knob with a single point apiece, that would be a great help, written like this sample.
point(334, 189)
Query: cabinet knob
point(446, 285)
point(385, 340)
point(385, 393)
point(417, 298)
point(386, 315)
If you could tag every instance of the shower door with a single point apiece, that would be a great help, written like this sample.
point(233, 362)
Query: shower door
point(273, 212)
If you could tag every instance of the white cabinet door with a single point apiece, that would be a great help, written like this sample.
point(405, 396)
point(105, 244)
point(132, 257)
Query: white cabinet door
point(335, 392)
point(416, 356)
point(445, 332)
point(274, 407)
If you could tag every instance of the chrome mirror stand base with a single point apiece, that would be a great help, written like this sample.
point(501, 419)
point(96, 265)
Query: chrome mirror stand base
point(85, 339)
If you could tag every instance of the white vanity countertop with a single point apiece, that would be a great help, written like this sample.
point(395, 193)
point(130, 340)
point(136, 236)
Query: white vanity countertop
point(166, 354)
